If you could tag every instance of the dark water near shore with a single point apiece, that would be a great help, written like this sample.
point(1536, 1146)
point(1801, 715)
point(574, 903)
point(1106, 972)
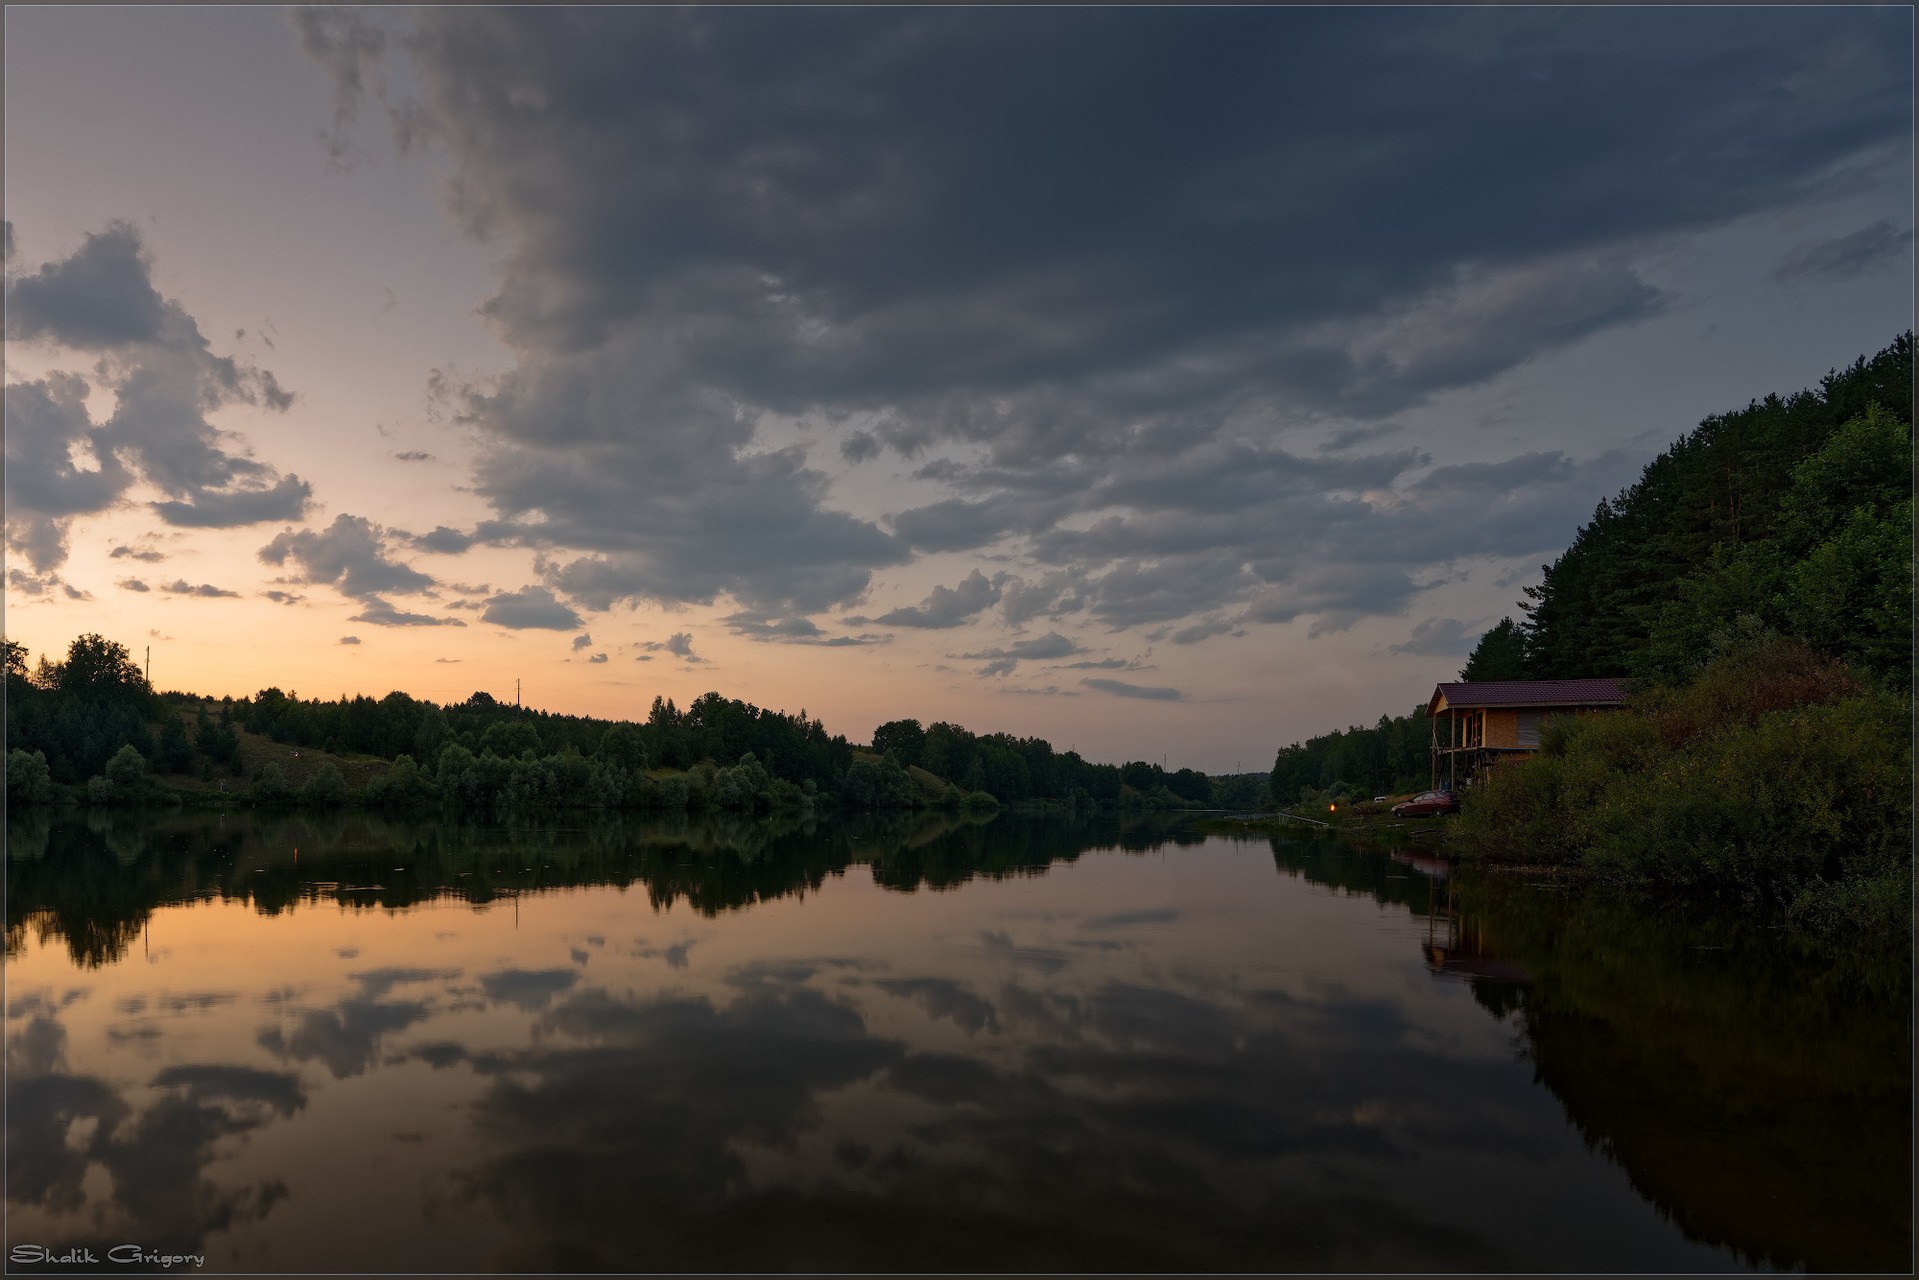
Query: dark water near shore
point(350, 1044)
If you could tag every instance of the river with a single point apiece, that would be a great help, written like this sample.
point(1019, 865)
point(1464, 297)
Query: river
point(344, 1043)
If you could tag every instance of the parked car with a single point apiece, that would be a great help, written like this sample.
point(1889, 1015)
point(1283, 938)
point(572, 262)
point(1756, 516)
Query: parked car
point(1427, 804)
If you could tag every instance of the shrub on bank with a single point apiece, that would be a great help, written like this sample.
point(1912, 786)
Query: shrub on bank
point(1775, 777)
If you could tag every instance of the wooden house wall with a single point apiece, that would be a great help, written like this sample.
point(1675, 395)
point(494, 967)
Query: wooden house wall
point(1502, 727)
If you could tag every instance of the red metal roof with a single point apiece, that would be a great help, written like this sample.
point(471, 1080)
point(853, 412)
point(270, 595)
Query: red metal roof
point(1608, 692)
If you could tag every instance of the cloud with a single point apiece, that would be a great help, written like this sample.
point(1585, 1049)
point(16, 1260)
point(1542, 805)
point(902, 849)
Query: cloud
point(598, 657)
point(582, 641)
point(147, 555)
point(203, 590)
point(1120, 689)
point(165, 379)
point(443, 540)
point(349, 639)
point(286, 499)
point(100, 298)
point(680, 645)
point(860, 446)
point(43, 585)
point(133, 584)
point(1439, 638)
point(283, 597)
point(350, 555)
point(1112, 312)
point(46, 426)
point(947, 606)
point(1845, 257)
point(380, 613)
point(532, 608)
point(1056, 593)
point(413, 455)
point(1002, 661)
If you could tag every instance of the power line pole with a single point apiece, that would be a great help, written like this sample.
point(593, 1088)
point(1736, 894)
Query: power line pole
point(516, 693)
point(149, 666)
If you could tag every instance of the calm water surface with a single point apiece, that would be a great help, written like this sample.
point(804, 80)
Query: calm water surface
point(358, 1045)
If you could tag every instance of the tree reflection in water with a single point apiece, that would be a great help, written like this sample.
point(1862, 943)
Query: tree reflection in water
point(1752, 1088)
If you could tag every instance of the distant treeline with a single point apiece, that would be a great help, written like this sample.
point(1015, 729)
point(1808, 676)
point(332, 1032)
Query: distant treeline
point(1792, 516)
point(89, 727)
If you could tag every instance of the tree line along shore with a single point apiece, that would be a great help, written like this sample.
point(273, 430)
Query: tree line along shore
point(89, 730)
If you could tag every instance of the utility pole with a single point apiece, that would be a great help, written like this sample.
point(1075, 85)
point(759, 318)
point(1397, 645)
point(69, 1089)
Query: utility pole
point(516, 693)
point(149, 666)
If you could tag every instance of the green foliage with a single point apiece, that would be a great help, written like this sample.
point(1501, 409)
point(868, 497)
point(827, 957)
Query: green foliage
point(270, 789)
point(1837, 570)
point(123, 781)
point(325, 788)
point(510, 739)
point(904, 737)
point(1393, 755)
point(1499, 655)
point(28, 781)
point(127, 770)
point(881, 784)
point(621, 747)
point(1776, 778)
point(1796, 510)
point(101, 670)
point(403, 786)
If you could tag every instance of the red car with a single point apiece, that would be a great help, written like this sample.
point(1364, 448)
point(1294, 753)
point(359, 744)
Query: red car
point(1427, 804)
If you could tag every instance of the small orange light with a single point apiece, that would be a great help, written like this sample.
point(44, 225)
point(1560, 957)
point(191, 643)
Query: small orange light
point(1332, 808)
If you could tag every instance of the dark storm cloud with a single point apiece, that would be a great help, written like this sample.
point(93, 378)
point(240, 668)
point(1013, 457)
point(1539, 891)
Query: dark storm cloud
point(1002, 661)
point(533, 608)
point(1142, 241)
point(165, 378)
point(46, 423)
point(101, 297)
point(443, 540)
point(351, 556)
point(1843, 257)
point(947, 606)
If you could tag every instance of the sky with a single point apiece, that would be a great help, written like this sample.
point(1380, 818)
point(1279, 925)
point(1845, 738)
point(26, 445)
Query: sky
point(1163, 382)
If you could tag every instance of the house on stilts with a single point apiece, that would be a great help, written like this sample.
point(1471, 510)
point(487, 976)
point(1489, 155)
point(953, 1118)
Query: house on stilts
point(1477, 724)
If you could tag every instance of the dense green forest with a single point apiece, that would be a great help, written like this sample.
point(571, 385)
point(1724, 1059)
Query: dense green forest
point(1795, 510)
point(1756, 584)
point(1792, 516)
point(89, 727)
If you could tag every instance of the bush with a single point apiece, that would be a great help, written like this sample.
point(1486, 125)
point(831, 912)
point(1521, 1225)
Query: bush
point(127, 771)
point(270, 788)
point(325, 788)
point(1774, 778)
point(29, 782)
